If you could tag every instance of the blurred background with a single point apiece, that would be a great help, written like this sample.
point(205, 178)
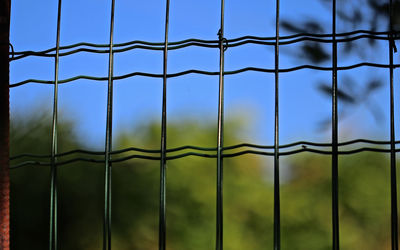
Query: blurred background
point(305, 114)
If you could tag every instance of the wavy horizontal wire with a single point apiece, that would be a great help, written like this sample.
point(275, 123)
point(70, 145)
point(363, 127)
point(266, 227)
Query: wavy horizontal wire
point(231, 155)
point(203, 72)
point(284, 40)
point(305, 147)
point(182, 148)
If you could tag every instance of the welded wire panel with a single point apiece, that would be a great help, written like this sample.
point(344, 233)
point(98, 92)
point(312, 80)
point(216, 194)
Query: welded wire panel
point(106, 158)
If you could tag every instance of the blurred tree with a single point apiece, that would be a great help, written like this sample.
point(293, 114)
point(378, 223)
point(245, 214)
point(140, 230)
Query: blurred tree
point(372, 15)
point(248, 196)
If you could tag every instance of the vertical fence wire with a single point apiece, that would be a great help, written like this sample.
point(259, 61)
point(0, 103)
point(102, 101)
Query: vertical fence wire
point(4, 125)
point(220, 135)
point(108, 140)
point(393, 179)
point(277, 209)
point(335, 177)
point(163, 163)
point(54, 144)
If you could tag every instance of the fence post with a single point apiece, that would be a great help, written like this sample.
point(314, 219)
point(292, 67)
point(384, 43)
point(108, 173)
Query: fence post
point(4, 125)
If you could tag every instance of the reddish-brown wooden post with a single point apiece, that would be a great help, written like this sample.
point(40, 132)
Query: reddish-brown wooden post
point(4, 125)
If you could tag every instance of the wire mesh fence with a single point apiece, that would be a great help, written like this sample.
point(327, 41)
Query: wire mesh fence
point(164, 153)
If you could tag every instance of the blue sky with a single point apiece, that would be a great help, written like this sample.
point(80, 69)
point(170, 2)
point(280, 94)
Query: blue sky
point(138, 99)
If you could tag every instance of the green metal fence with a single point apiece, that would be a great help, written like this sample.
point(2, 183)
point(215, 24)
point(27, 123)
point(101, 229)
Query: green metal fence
point(220, 152)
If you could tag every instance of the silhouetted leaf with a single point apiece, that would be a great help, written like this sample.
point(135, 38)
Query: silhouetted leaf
point(291, 27)
point(306, 27)
point(354, 18)
point(374, 84)
point(379, 6)
point(324, 124)
point(345, 97)
point(371, 41)
point(342, 15)
point(348, 47)
point(371, 87)
point(313, 27)
point(357, 16)
point(315, 53)
point(327, 90)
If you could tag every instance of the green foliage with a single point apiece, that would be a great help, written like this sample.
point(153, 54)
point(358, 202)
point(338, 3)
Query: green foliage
point(191, 196)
